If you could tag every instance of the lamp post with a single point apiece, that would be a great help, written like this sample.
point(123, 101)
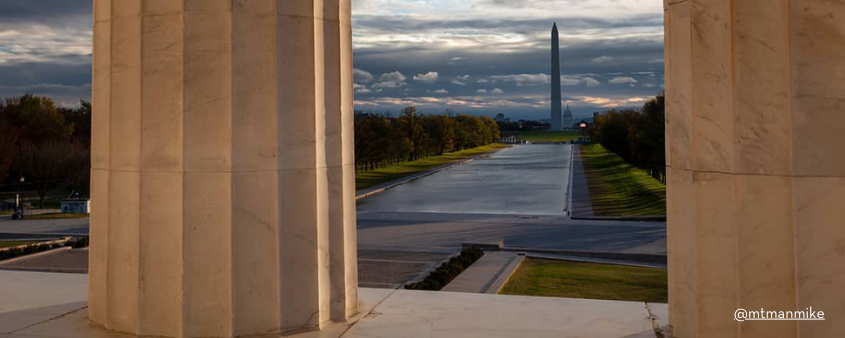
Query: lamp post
point(19, 204)
point(583, 127)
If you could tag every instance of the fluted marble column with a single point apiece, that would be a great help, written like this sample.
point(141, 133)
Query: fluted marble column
point(755, 122)
point(223, 179)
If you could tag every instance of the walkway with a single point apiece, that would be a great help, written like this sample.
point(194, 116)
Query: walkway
point(53, 305)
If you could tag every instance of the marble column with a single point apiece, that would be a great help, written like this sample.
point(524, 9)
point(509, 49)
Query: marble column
point(222, 167)
point(756, 174)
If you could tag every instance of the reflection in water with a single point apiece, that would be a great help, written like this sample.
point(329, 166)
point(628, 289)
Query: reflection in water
point(526, 179)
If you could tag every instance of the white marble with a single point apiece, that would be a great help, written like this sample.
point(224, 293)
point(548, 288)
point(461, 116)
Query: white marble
point(384, 313)
point(223, 186)
point(754, 149)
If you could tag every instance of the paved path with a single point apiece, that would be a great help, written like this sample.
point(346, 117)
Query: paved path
point(418, 231)
point(582, 206)
point(487, 275)
point(77, 226)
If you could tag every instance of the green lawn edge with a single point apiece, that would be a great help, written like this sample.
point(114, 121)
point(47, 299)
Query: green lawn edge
point(367, 179)
point(618, 188)
point(549, 136)
point(56, 216)
point(550, 278)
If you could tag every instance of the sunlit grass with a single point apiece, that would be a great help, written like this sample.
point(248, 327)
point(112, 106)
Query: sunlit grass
point(366, 179)
point(549, 278)
point(618, 188)
point(549, 136)
point(56, 216)
point(13, 243)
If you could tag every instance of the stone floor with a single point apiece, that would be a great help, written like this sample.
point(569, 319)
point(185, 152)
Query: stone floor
point(385, 269)
point(53, 305)
point(59, 260)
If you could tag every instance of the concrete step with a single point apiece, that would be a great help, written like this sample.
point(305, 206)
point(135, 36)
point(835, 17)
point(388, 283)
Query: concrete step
point(488, 274)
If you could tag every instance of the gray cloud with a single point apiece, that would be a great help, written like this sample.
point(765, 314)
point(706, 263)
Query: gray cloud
point(45, 12)
point(45, 48)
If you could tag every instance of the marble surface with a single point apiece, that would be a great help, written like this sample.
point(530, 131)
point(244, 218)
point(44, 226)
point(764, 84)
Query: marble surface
point(754, 155)
point(48, 305)
point(222, 166)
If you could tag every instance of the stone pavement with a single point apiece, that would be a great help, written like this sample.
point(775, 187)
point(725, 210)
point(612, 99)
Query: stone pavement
point(389, 269)
point(45, 305)
point(487, 275)
point(59, 260)
point(582, 206)
point(437, 230)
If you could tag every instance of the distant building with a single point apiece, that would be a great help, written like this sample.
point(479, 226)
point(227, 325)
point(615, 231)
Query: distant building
point(567, 118)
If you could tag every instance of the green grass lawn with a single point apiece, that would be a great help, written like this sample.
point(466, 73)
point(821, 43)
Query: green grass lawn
point(13, 243)
point(618, 188)
point(56, 216)
point(366, 179)
point(549, 136)
point(548, 278)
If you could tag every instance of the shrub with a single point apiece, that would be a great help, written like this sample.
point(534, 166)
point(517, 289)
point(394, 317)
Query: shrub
point(80, 243)
point(27, 250)
point(446, 272)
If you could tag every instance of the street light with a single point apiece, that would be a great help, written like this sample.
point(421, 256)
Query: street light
point(19, 200)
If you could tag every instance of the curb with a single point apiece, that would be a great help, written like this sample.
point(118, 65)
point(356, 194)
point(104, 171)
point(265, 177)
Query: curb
point(48, 242)
point(505, 275)
point(569, 190)
point(595, 261)
point(37, 254)
point(615, 256)
point(621, 218)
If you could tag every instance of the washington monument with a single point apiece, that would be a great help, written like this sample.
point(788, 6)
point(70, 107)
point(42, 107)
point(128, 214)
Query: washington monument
point(556, 106)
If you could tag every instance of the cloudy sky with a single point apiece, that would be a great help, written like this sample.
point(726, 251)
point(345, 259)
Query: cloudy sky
point(470, 56)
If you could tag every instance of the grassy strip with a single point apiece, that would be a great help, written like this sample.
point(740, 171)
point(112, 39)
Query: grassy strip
point(27, 250)
point(13, 243)
point(548, 278)
point(56, 216)
point(618, 188)
point(366, 179)
point(39, 247)
point(549, 136)
point(445, 273)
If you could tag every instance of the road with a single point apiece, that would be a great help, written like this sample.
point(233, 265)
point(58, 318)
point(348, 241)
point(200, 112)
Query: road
point(421, 231)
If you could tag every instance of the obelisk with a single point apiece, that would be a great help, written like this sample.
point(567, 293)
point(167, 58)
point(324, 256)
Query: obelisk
point(556, 101)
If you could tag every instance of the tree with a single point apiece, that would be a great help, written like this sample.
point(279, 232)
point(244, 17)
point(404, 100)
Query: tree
point(636, 136)
point(38, 119)
point(45, 165)
point(381, 140)
point(9, 143)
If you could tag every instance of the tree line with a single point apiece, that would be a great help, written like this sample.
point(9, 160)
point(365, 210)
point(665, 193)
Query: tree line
point(381, 140)
point(636, 136)
point(47, 145)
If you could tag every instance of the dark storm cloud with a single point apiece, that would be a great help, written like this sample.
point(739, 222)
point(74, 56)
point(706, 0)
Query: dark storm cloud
point(36, 73)
point(45, 12)
point(45, 49)
point(501, 49)
point(411, 24)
